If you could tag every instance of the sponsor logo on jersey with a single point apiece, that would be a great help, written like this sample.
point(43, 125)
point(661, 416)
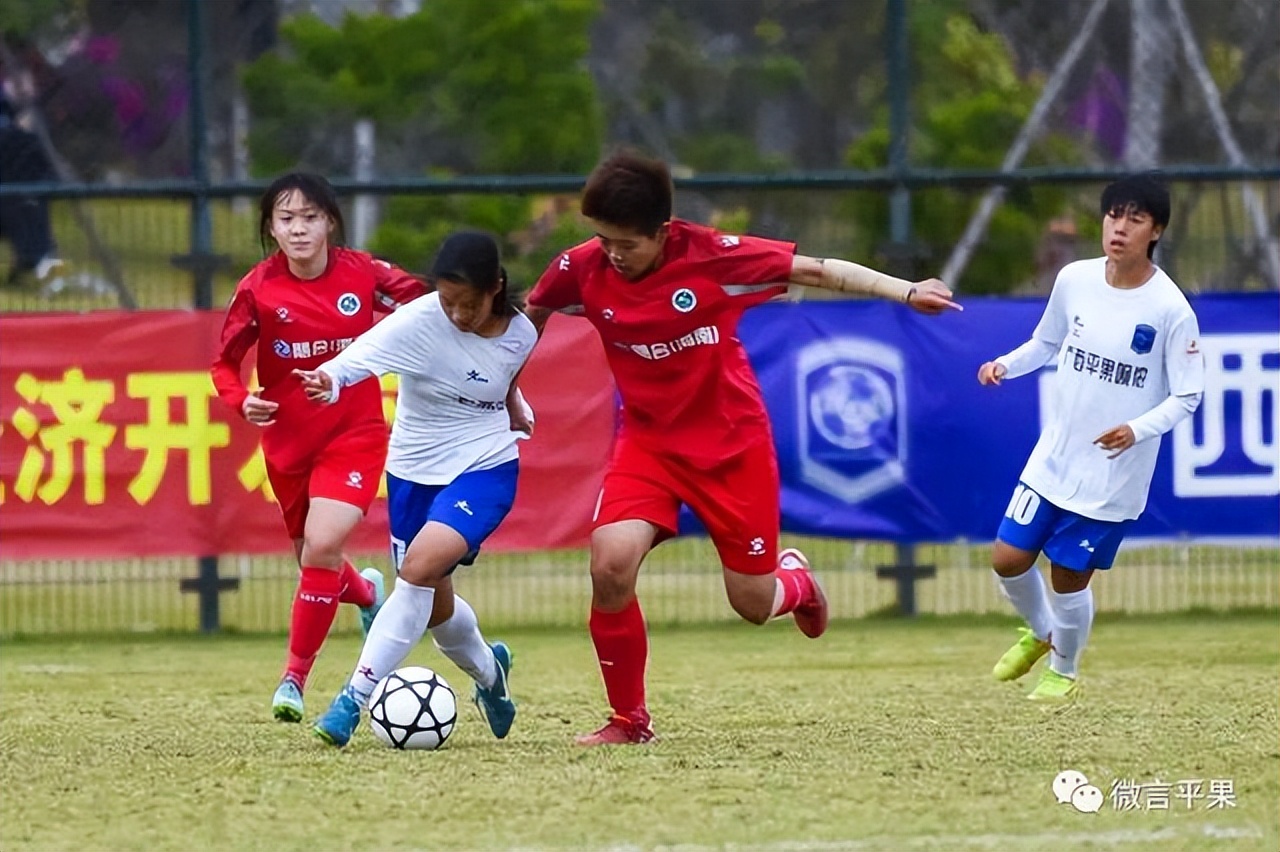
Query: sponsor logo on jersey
point(756, 546)
point(683, 300)
point(282, 314)
point(348, 304)
point(474, 376)
point(564, 262)
point(729, 242)
point(482, 404)
point(309, 348)
point(707, 335)
point(464, 506)
point(1193, 348)
point(1144, 337)
point(355, 479)
point(607, 313)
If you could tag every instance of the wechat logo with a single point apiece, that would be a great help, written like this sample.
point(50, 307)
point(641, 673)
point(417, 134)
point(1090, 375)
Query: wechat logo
point(1072, 788)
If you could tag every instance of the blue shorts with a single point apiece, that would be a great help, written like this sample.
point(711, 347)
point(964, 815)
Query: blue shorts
point(473, 505)
point(1073, 541)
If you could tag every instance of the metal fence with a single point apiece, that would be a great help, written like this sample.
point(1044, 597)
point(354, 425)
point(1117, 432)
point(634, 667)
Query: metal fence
point(155, 208)
point(680, 584)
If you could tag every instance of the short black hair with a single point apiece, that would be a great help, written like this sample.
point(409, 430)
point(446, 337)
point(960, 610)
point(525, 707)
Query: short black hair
point(1142, 193)
point(629, 190)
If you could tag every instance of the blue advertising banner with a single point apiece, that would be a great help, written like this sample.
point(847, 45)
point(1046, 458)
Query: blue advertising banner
point(883, 431)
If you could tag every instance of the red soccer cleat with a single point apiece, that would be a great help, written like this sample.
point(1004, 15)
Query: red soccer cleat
point(619, 730)
point(811, 613)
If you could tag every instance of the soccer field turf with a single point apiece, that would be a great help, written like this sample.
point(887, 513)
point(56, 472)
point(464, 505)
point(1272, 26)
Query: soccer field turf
point(884, 735)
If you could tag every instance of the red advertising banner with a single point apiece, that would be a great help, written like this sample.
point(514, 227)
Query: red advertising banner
point(113, 443)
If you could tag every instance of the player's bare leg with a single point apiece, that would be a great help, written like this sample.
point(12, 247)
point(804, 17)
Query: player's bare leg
point(618, 630)
point(790, 588)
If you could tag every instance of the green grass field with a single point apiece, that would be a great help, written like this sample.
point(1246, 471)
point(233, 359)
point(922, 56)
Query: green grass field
point(884, 735)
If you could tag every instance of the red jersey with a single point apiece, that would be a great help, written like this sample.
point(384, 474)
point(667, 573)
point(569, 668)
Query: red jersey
point(687, 387)
point(299, 325)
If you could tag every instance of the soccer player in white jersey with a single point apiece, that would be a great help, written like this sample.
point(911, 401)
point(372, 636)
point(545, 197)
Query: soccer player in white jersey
point(451, 467)
point(1128, 369)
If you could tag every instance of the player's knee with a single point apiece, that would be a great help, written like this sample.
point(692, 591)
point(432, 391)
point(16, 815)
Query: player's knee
point(321, 552)
point(1008, 561)
point(612, 580)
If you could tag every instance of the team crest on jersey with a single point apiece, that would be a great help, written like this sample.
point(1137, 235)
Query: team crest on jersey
point(348, 304)
point(1144, 337)
point(683, 300)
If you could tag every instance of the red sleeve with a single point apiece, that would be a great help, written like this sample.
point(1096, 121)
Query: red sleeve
point(393, 287)
point(239, 334)
point(559, 289)
point(751, 269)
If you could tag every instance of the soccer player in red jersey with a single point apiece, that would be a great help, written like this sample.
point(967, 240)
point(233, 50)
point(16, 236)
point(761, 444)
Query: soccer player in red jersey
point(666, 295)
point(306, 302)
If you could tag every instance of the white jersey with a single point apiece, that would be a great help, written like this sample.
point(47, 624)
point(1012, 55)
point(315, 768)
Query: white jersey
point(451, 412)
point(1120, 353)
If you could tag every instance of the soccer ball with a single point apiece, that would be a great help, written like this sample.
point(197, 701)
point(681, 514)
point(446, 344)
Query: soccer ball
point(413, 708)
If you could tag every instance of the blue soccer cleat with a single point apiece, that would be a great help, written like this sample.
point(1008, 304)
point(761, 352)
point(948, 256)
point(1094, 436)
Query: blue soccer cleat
point(369, 613)
point(495, 703)
point(286, 704)
point(340, 721)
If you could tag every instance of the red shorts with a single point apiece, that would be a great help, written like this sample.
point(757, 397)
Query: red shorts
point(347, 469)
point(736, 500)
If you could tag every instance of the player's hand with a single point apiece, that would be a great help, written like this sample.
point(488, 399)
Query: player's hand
point(1117, 439)
point(932, 297)
point(991, 373)
point(316, 385)
point(259, 412)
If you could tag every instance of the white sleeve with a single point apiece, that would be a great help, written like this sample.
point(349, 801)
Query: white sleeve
point(1028, 357)
point(1045, 342)
point(398, 344)
point(1183, 360)
point(1164, 416)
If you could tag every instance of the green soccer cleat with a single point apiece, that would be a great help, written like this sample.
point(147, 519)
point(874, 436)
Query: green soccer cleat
point(1054, 688)
point(1019, 659)
point(286, 704)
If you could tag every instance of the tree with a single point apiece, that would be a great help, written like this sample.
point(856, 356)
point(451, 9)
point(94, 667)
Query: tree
point(968, 104)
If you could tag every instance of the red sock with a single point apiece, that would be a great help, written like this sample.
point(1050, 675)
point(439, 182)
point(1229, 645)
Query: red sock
point(355, 589)
point(796, 587)
point(622, 647)
point(314, 606)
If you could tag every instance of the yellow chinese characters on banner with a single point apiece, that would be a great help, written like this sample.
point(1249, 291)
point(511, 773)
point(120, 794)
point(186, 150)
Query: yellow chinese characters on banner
point(64, 425)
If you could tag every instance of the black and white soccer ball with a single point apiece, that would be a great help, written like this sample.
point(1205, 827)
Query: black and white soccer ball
point(413, 708)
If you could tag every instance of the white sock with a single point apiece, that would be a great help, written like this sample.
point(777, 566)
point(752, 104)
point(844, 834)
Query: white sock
point(1027, 594)
point(398, 627)
point(1072, 620)
point(460, 640)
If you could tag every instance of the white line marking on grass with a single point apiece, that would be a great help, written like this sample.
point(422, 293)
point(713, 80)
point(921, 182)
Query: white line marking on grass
point(52, 668)
point(1094, 839)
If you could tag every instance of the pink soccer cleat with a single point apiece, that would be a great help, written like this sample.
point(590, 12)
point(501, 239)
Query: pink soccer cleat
point(619, 730)
point(811, 614)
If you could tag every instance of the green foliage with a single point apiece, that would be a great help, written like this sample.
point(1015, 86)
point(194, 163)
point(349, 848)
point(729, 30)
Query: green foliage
point(969, 105)
point(529, 231)
point(493, 86)
point(463, 86)
point(32, 19)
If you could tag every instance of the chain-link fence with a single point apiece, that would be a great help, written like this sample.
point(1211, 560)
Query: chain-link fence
point(963, 137)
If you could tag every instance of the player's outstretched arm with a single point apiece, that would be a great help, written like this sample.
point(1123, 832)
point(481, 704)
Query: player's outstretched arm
point(930, 296)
